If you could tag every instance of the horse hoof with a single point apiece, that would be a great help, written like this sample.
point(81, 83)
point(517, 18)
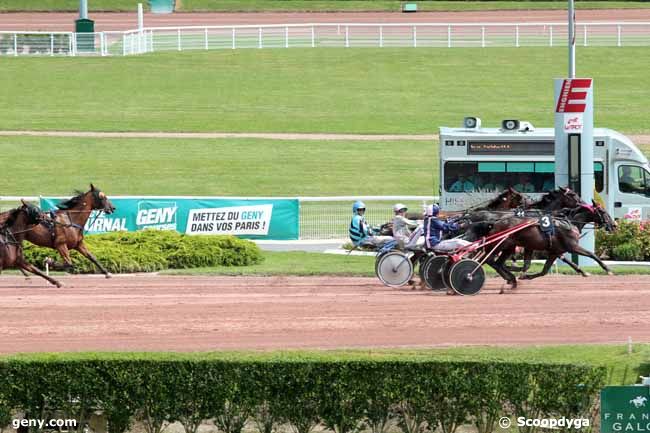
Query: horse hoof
point(610, 273)
point(109, 275)
point(502, 291)
point(451, 293)
point(524, 277)
point(586, 274)
point(59, 285)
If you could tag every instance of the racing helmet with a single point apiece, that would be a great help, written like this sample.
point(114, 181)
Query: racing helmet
point(358, 205)
point(398, 207)
point(433, 210)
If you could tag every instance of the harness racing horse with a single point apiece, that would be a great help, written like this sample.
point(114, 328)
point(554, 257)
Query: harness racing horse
point(17, 224)
point(563, 238)
point(65, 230)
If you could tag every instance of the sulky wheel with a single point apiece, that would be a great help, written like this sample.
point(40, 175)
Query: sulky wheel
point(445, 272)
point(394, 269)
point(433, 269)
point(467, 277)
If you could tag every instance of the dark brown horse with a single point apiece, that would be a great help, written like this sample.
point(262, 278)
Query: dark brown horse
point(65, 231)
point(564, 238)
point(17, 225)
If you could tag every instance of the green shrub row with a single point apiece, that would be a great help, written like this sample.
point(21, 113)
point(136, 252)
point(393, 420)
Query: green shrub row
point(343, 395)
point(155, 250)
point(630, 242)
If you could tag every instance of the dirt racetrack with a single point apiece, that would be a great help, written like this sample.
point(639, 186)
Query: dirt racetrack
point(146, 312)
point(110, 21)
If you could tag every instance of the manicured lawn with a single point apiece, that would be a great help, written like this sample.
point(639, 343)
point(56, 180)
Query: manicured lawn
point(362, 90)
point(284, 263)
point(223, 167)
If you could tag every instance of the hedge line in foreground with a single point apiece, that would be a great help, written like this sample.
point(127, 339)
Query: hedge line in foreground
point(343, 395)
point(155, 250)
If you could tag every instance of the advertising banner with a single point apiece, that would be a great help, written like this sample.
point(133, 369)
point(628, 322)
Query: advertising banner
point(625, 409)
point(251, 219)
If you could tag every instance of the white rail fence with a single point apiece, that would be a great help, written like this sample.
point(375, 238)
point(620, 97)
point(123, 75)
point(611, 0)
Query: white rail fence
point(321, 218)
point(484, 35)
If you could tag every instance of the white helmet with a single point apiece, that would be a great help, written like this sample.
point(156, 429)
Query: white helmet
point(398, 207)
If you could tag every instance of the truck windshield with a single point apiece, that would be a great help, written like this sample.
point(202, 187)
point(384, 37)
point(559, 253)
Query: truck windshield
point(634, 180)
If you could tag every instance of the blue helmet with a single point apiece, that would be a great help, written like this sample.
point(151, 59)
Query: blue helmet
point(433, 210)
point(358, 205)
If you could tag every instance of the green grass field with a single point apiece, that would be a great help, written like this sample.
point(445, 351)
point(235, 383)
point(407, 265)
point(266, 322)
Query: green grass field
point(284, 263)
point(317, 90)
point(231, 167)
point(311, 5)
point(219, 167)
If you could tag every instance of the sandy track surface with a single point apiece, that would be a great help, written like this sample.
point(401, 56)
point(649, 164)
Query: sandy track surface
point(128, 20)
point(637, 139)
point(168, 313)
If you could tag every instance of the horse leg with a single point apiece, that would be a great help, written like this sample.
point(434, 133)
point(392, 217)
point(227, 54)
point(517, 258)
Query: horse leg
point(574, 266)
point(583, 252)
point(22, 271)
point(87, 254)
point(528, 257)
point(508, 276)
point(547, 267)
point(65, 255)
point(34, 270)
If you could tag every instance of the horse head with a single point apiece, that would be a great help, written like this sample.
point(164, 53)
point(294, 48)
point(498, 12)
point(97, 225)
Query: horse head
point(33, 212)
point(603, 218)
point(100, 200)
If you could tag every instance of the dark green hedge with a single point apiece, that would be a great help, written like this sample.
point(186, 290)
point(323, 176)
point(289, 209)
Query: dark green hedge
point(154, 250)
point(343, 395)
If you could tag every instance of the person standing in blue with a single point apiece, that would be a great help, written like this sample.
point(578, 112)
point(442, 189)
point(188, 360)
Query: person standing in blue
point(434, 229)
point(361, 234)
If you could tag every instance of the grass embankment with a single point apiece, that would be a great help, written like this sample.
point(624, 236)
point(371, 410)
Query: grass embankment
point(364, 90)
point(223, 167)
point(623, 368)
point(312, 5)
point(284, 263)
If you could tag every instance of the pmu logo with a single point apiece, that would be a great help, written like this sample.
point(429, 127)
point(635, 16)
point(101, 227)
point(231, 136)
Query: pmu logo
point(573, 96)
point(159, 215)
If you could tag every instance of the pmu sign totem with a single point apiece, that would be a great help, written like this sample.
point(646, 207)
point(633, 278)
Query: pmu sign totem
point(574, 142)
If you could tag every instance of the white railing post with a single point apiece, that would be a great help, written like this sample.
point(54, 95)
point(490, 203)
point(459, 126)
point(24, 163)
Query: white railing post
point(179, 40)
point(151, 41)
point(313, 37)
point(124, 44)
point(259, 36)
point(449, 36)
point(584, 27)
point(618, 35)
point(550, 36)
point(286, 37)
point(15, 44)
point(517, 36)
point(415, 37)
point(101, 44)
point(347, 37)
point(381, 36)
point(206, 38)
point(132, 43)
point(51, 44)
point(482, 36)
point(233, 38)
